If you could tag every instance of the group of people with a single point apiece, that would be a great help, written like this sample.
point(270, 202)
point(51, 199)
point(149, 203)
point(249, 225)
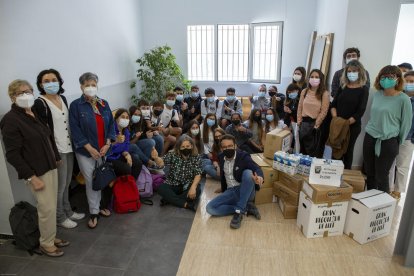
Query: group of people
point(188, 137)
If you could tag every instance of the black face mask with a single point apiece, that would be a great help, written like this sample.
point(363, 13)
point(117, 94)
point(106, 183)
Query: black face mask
point(229, 153)
point(257, 118)
point(217, 141)
point(235, 122)
point(271, 94)
point(186, 152)
point(157, 112)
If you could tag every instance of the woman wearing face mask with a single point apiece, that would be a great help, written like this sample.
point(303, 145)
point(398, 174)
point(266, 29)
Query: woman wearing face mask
point(403, 160)
point(272, 122)
point(260, 101)
point(255, 124)
point(349, 104)
point(52, 109)
point(31, 150)
point(390, 122)
point(122, 161)
point(291, 110)
point(140, 145)
point(92, 128)
point(211, 166)
point(209, 126)
point(299, 77)
point(276, 100)
point(181, 187)
point(195, 134)
point(312, 109)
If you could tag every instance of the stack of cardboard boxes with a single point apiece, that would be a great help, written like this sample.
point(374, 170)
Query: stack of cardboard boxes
point(265, 194)
point(287, 190)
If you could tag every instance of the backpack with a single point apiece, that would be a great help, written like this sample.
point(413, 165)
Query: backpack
point(144, 183)
point(217, 103)
point(126, 195)
point(226, 103)
point(24, 223)
point(157, 180)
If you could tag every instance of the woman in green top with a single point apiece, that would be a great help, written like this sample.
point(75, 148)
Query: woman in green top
point(388, 126)
point(181, 185)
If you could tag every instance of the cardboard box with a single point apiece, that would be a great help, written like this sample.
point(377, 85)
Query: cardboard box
point(326, 172)
point(355, 179)
point(370, 216)
point(283, 192)
point(327, 194)
point(276, 140)
point(289, 211)
point(269, 161)
point(321, 220)
point(270, 175)
point(293, 182)
point(264, 195)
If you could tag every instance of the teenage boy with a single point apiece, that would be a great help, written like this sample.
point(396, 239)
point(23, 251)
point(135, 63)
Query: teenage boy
point(349, 54)
point(211, 104)
point(230, 105)
point(240, 178)
point(191, 108)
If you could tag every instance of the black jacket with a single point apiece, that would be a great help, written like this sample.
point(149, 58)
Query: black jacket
point(243, 162)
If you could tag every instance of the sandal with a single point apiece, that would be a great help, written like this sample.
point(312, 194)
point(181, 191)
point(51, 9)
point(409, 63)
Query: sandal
point(61, 243)
point(56, 253)
point(92, 220)
point(105, 213)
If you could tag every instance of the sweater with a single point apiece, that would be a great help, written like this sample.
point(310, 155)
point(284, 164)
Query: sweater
point(390, 117)
point(311, 106)
point(351, 102)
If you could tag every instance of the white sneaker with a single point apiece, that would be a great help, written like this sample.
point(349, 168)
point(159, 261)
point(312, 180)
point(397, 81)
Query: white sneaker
point(77, 216)
point(67, 223)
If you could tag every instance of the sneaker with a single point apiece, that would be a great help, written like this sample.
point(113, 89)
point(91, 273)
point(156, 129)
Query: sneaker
point(235, 222)
point(253, 211)
point(77, 216)
point(68, 223)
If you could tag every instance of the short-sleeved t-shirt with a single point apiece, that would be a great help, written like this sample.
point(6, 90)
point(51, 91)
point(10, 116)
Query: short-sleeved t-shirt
point(166, 117)
point(182, 171)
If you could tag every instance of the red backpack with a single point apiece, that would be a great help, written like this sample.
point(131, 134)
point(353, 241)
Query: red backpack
point(126, 195)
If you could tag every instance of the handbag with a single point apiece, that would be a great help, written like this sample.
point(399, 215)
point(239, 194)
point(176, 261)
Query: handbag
point(103, 174)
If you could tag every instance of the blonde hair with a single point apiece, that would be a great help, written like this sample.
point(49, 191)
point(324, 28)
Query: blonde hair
point(362, 74)
point(15, 85)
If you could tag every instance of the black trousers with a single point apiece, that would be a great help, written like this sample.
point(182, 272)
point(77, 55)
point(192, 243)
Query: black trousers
point(310, 138)
point(355, 130)
point(176, 195)
point(377, 168)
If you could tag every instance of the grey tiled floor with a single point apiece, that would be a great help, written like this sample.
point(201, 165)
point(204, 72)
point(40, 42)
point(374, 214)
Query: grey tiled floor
point(149, 242)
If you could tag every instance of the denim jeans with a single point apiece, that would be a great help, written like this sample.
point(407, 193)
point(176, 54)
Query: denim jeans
point(159, 143)
point(209, 169)
point(142, 149)
point(234, 198)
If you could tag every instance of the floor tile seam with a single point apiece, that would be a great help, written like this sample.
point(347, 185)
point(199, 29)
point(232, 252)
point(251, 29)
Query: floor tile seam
point(133, 255)
point(280, 250)
point(90, 247)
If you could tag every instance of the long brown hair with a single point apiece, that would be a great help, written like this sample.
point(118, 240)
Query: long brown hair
point(205, 126)
point(259, 123)
point(216, 145)
point(321, 88)
point(197, 138)
point(118, 113)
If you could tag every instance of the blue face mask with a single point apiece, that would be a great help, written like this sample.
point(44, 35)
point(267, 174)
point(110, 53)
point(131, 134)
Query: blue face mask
point(179, 97)
point(352, 76)
point(51, 87)
point(195, 94)
point(293, 95)
point(269, 118)
point(409, 87)
point(211, 122)
point(261, 94)
point(135, 119)
point(210, 99)
point(170, 103)
point(388, 83)
point(231, 98)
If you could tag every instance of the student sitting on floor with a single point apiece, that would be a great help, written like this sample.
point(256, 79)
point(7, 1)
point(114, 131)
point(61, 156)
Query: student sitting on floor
point(230, 105)
point(210, 162)
point(256, 126)
point(241, 133)
point(240, 178)
point(191, 108)
point(211, 104)
point(181, 185)
point(195, 134)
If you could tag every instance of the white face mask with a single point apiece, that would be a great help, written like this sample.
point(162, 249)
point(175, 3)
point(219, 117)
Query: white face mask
point(146, 113)
point(297, 77)
point(90, 91)
point(123, 123)
point(195, 131)
point(25, 101)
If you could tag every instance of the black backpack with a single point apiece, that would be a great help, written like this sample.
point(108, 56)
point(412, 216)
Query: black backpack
point(24, 224)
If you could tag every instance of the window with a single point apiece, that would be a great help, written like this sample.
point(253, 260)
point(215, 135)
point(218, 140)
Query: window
point(235, 52)
point(200, 46)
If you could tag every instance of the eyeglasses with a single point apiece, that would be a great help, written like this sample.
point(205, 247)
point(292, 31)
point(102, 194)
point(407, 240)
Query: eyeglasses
point(27, 92)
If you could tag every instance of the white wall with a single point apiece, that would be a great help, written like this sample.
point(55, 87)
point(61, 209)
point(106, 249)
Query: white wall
point(166, 23)
point(403, 47)
point(74, 37)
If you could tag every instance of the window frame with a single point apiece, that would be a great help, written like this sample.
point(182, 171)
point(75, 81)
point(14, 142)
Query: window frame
point(250, 53)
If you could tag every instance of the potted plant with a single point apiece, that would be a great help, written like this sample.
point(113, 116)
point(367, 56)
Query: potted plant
point(158, 73)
